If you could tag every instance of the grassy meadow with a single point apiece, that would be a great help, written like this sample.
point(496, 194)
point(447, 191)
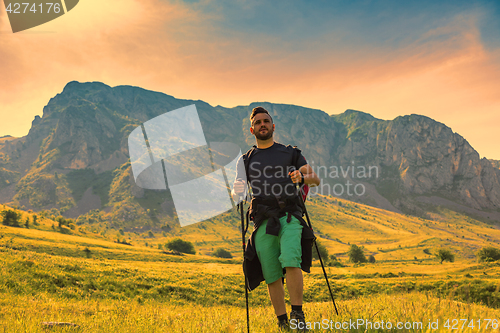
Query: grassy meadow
point(84, 276)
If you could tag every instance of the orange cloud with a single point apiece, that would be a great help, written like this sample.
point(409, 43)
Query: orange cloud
point(447, 74)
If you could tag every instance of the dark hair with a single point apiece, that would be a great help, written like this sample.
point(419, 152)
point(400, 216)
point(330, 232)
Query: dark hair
point(258, 110)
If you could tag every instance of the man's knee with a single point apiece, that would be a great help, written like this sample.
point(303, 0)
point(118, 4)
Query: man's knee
point(278, 282)
point(293, 270)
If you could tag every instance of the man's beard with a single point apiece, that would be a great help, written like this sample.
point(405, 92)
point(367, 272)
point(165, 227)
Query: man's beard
point(264, 137)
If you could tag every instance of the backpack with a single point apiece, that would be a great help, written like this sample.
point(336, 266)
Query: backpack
point(304, 190)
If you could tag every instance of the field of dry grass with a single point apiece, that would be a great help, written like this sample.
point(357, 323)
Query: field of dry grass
point(87, 278)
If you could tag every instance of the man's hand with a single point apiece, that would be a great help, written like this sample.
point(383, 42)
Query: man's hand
point(296, 176)
point(306, 174)
point(238, 189)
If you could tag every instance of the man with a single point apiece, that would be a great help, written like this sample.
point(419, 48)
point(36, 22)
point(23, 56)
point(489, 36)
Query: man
point(280, 237)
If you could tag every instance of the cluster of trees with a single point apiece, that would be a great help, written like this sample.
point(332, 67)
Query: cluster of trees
point(62, 222)
point(356, 255)
point(12, 218)
point(183, 246)
point(486, 254)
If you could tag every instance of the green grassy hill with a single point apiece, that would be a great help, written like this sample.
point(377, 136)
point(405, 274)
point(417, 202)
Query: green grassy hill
point(338, 223)
point(388, 236)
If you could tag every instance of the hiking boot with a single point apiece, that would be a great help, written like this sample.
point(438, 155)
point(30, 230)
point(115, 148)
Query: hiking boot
point(283, 326)
point(298, 321)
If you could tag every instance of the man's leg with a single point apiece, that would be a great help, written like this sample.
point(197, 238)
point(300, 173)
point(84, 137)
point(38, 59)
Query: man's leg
point(295, 288)
point(290, 258)
point(294, 284)
point(268, 251)
point(277, 295)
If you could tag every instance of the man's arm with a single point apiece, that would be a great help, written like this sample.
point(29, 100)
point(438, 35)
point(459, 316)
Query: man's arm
point(238, 189)
point(239, 185)
point(310, 177)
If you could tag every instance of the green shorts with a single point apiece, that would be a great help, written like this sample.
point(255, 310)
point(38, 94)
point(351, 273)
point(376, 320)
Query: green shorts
point(278, 252)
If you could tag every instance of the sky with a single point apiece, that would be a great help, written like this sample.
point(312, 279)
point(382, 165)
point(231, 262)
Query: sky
point(388, 58)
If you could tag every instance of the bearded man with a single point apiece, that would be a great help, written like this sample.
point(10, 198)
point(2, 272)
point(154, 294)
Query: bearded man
point(281, 243)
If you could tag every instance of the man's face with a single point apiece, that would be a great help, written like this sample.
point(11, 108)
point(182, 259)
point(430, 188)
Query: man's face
point(262, 127)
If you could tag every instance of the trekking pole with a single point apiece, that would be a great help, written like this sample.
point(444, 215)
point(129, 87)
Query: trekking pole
point(316, 245)
point(243, 232)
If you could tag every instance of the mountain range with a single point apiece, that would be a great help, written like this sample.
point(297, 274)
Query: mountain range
point(75, 158)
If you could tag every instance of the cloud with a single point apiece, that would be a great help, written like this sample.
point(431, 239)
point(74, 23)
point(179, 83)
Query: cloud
point(105, 41)
point(382, 58)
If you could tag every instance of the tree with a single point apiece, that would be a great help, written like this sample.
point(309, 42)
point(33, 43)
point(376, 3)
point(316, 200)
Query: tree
point(11, 218)
point(322, 251)
point(488, 254)
point(371, 259)
point(445, 255)
point(179, 245)
point(62, 221)
point(221, 253)
point(356, 254)
point(334, 261)
point(88, 253)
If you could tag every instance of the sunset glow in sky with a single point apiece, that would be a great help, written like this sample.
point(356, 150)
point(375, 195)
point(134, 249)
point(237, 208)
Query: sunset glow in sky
point(440, 59)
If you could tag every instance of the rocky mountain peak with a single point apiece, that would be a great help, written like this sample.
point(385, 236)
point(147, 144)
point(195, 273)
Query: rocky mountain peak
point(86, 126)
point(351, 114)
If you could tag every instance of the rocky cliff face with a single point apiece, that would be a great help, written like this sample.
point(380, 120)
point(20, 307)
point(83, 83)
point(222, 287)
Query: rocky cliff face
point(495, 163)
point(425, 157)
point(80, 143)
